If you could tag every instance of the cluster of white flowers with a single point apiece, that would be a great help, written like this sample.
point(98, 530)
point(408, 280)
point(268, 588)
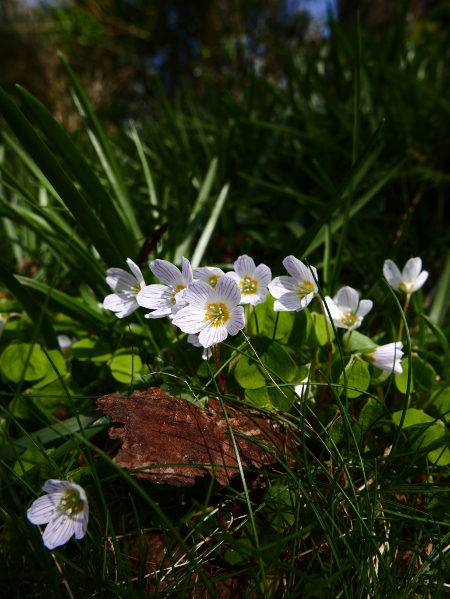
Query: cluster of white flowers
point(207, 303)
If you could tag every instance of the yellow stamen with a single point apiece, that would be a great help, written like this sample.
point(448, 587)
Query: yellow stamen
point(217, 314)
point(213, 280)
point(348, 319)
point(305, 289)
point(177, 290)
point(72, 504)
point(248, 286)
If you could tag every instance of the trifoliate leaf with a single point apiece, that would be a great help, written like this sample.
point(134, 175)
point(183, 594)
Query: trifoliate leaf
point(258, 397)
point(14, 359)
point(124, 366)
point(358, 342)
point(358, 377)
point(412, 417)
point(92, 349)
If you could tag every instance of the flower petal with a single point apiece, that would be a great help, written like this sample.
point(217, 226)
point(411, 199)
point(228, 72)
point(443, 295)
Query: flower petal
point(166, 272)
point(233, 275)
point(420, 281)
point(263, 275)
point(205, 272)
point(296, 269)
point(186, 270)
point(58, 531)
point(121, 304)
point(81, 522)
point(244, 266)
point(365, 306)
point(193, 340)
point(137, 272)
point(347, 299)
point(257, 298)
point(120, 280)
point(155, 296)
point(198, 294)
point(228, 291)
point(281, 285)
point(288, 302)
point(411, 270)
point(236, 322)
point(190, 319)
point(43, 509)
point(335, 310)
point(56, 486)
point(212, 335)
point(159, 313)
point(392, 274)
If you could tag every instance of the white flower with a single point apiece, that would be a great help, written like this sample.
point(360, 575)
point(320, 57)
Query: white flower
point(214, 313)
point(346, 310)
point(386, 357)
point(65, 344)
point(304, 389)
point(294, 292)
point(65, 509)
point(208, 274)
point(409, 280)
point(193, 339)
point(252, 280)
point(126, 288)
point(166, 299)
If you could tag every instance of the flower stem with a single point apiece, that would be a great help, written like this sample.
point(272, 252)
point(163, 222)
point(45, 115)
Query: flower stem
point(405, 307)
point(330, 350)
point(249, 319)
point(348, 342)
point(221, 382)
point(275, 327)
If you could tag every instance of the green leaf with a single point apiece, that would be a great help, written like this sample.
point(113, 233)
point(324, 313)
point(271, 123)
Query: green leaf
point(423, 375)
point(54, 395)
point(440, 399)
point(358, 376)
point(412, 417)
point(358, 342)
point(372, 412)
point(92, 187)
point(32, 456)
point(51, 168)
point(92, 349)
point(320, 329)
point(438, 333)
point(438, 456)
point(124, 366)
point(266, 317)
point(31, 307)
point(50, 375)
point(249, 373)
point(13, 360)
point(258, 397)
point(279, 510)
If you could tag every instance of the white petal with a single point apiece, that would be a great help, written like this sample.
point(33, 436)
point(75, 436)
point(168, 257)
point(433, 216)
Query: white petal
point(160, 312)
point(257, 298)
point(392, 274)
point(228, 291)
point(58, 531)
point(233, 275)
point(388, 357)
point(186, 270)
point(155, 296)
point(288, 302)
point(365, 306)
point(244, 266)
point(236, 322)
point(420, 281)
point(81, 522)
point(121, 304)
point(166, 272)
point(356, 325)
point(263, 275)
point(335, 310)
point(281, 285)
point(206, 353)
point(120, 280)
point(306, 300)
point(411, 270)
point(212, 335)
point(347, 299)
point(64, 342)
point(190, 319)
point(339, 324)
point(296, 269)
point(199, 294)
point(137, 272)
point(43, 509)
point(79, 489)
point(56, 486)
point(193, 340)
point(206, 272)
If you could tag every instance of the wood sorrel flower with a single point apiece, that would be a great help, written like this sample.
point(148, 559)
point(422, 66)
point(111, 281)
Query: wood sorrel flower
point(252, 280)
point(208, 274)
point(65, 509)
point(126, 287)
point(166, 299)
point(213, 313)
point(386, 357)
point(409, 280)
point(346, 310)
point(294, 292)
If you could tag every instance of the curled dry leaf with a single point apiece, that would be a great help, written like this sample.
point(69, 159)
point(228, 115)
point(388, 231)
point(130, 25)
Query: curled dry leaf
point(160, 430)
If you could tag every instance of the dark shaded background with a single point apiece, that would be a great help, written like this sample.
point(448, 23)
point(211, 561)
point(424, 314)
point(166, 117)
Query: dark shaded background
point(117, 46)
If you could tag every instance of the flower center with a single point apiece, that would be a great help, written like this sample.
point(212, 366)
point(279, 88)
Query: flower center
point(405, 287)
point(213, 280)
point(72, 502)
point(217, 314)
point(248, 285)
point(177, 290)
point(349, 318)
point(305, 288)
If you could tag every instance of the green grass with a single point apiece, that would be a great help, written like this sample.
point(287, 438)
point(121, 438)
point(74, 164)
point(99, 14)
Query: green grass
point(344, 165)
